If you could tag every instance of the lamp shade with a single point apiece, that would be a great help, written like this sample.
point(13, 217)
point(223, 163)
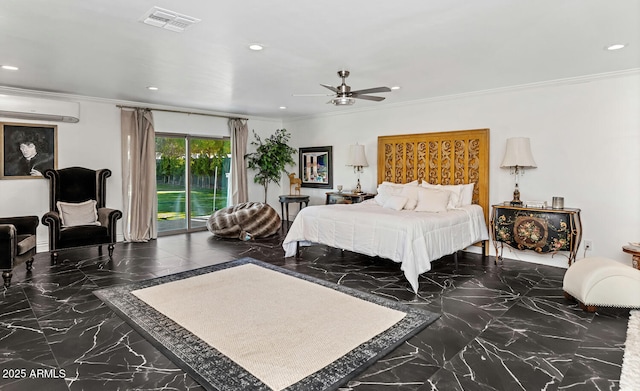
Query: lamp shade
point(518, 153)
point(357, 158)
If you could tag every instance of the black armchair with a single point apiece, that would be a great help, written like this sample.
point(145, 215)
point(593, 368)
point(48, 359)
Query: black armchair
point(17, 243)
point(72, 186)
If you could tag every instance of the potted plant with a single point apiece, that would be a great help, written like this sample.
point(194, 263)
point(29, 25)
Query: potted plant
point(270, 158)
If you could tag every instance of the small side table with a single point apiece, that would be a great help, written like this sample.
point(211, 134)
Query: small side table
point(285, 200)
point(635, 254)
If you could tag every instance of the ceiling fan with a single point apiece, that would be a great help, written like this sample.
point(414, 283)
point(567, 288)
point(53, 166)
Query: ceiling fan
point(344, 95)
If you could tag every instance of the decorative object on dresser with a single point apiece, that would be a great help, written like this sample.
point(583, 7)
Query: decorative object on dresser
point(346, 198)
point(542, 230)
point(357, 159)
point(316, 167)
point(17, 244)
point(557, 203)
point(517, 156)
point(295, 183)
point(77, 214)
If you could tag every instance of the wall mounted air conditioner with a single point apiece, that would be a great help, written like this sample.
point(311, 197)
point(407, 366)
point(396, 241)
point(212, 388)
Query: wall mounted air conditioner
point(23, 107)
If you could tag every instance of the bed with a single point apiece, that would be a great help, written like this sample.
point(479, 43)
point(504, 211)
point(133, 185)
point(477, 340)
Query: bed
point(412, 238)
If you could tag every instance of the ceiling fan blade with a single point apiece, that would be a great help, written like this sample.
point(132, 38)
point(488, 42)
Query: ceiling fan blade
point(330, 87)
point(311, 94)
point(368, 97)
point(372, 90)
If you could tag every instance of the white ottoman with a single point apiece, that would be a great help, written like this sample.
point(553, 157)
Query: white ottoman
point(602, 282)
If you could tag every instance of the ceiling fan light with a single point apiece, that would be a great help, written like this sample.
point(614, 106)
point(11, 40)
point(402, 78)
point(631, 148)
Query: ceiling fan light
point(343, 101)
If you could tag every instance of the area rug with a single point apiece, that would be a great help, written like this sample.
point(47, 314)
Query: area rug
point(247, 324)
point(630, 376)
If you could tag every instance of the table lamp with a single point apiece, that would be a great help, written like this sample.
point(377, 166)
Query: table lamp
point(517, 156)
point(357, 159)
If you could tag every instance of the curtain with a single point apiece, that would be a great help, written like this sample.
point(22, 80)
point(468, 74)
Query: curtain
point(138, 175)
point(239, 138)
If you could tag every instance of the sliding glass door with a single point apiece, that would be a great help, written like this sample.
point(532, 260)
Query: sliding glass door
point(192, 178)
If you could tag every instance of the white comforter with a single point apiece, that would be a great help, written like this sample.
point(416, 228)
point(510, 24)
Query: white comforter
point(413, 239)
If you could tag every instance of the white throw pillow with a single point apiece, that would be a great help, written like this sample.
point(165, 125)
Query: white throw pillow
point(466, 196)
point(454, 199)
point(395, 202)
point(433, 200)
point(80, 213)
point(387, 189)
point(411, 193)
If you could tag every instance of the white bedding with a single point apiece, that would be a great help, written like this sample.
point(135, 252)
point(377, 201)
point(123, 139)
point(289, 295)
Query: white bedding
point(413, 239)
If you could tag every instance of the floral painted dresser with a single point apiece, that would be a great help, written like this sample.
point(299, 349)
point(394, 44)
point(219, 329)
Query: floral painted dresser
point(543, 230)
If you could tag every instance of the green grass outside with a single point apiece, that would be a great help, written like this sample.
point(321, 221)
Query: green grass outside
point(171, 201)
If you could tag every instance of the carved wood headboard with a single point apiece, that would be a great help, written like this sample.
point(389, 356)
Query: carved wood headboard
point(447, 158)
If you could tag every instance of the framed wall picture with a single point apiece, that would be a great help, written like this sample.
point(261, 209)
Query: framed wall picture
point(27, 150)
point(316, 167)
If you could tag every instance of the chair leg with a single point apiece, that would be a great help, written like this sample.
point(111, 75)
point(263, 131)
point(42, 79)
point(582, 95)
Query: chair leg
point(111, 247)
point(6, 275)
point(30, 264)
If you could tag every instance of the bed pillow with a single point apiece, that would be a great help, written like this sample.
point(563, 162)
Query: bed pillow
point(411, 193)
point(462, 194)
point(466, 196)
point(455, 190)
point(433, 200)
point(395, 202)
point(387, 189)
point(80, 213)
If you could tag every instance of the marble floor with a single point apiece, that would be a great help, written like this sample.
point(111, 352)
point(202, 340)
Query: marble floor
point(503, 327)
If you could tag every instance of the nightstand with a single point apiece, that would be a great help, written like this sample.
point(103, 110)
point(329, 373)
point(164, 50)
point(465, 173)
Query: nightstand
point(543, 230)
point(347, 198)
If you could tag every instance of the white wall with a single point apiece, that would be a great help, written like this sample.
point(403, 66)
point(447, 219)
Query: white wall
point(94, 142)
point(585, 138)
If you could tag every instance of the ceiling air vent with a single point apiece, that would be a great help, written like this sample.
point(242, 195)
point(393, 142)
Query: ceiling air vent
point(169, 20)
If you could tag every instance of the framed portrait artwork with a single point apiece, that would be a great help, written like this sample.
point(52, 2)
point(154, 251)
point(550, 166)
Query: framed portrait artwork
point(27, 150)
point(316, 167)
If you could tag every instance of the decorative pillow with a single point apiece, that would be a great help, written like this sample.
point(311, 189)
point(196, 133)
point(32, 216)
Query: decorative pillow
point(411, 193)
point(387, 189)
point(81, 213)
point(395, 202)
point(466, 196)
point(462, 194)
point(433, 200)
point(455, 190)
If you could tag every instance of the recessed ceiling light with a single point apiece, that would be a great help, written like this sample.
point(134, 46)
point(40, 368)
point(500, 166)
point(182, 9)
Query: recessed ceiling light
point(616, 46)
point(256, 47)
point(10, 68)
point(283, 107)
point(395, 87)
point(152, 88)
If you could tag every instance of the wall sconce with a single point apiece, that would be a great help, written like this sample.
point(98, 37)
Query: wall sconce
point(357, 159)
point(517, 156)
